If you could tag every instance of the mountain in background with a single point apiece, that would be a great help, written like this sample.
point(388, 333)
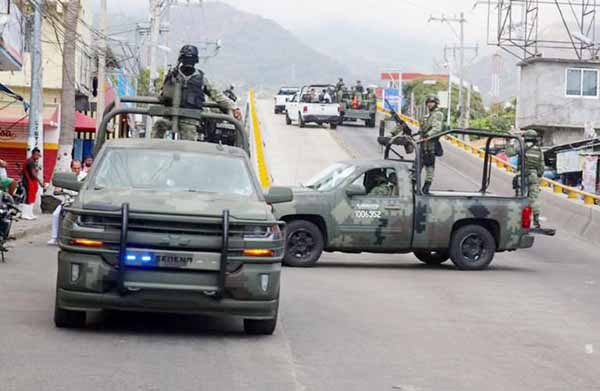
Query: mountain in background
point(368, 51)
point(255, 51)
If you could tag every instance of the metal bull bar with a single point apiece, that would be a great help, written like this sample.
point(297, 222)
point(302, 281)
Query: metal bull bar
point(123, 239)
point(155, 109)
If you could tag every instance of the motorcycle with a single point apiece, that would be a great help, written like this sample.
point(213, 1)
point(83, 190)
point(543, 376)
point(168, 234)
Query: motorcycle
point(8, 213)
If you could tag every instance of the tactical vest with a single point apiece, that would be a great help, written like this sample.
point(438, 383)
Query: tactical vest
point(534, 160)
point(192, 91)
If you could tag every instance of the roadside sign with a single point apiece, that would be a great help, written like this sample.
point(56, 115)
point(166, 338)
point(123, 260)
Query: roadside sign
point(392, 95)
point(443, 97)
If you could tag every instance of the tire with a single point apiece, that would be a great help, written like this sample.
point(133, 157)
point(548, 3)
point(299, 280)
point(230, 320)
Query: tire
point(260, 326)
point(304, 244)
point(371, 123)
point(275, 111)
point(333, 126)
point(68, 319)
point(300, 121)
point(433, 258)
point(472, 247)
point(288, 120)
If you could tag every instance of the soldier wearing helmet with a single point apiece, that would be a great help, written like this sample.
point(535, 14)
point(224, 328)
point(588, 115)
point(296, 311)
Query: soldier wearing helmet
point(431, 125)
point(194, 86)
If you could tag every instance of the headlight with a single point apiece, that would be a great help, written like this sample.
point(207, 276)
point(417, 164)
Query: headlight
point(262, 232)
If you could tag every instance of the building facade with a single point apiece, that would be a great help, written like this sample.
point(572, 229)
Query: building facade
point(13, 118)
point(559, 98)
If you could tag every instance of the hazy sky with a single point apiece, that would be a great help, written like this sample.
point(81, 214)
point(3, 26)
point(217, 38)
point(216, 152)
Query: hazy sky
point(408, 17)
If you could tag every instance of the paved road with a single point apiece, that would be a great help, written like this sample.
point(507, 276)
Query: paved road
point(362, 322)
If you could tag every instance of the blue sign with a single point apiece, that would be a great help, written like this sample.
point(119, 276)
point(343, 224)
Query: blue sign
point(392, 99)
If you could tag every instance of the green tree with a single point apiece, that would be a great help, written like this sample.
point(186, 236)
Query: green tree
point(143, 81)
point(422, 89)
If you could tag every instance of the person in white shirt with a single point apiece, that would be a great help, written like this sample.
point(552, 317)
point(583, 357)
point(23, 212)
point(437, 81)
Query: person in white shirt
point(77, 170)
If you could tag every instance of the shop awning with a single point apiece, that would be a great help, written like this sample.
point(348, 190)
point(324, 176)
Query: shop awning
point(14, 115)
point(84, 123)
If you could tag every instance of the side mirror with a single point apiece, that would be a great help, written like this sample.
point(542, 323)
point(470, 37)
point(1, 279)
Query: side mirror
point(279, 195)
point(67, 180)
point(355, 190)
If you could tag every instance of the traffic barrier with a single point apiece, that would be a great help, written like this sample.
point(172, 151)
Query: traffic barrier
point(557, 187)
point(259, 153)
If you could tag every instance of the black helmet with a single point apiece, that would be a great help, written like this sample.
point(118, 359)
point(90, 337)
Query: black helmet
point(188, 54)
point(432, 98)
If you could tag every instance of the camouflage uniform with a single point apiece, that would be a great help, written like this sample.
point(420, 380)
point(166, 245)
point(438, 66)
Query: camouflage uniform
point(188, 128)
point(381, 190)
point(534, 166)
point(430, 126)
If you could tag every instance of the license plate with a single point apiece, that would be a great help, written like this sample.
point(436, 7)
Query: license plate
point(157, 259)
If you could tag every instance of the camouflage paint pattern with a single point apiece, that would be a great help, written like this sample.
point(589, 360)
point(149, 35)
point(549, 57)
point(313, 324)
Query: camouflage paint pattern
point(176, 222)
point(405, 221)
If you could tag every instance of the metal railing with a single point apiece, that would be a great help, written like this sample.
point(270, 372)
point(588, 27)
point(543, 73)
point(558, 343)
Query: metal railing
point(556, 187)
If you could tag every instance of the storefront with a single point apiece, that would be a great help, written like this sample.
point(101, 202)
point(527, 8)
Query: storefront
point(13, 138)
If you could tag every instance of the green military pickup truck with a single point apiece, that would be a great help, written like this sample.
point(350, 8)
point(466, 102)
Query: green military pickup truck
point(170, 226)
point(336, 211)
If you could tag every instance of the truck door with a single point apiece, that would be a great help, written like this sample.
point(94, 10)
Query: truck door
point(371, 219)
point(292, 107)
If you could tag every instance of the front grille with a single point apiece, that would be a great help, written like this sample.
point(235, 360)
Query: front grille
point(157, 226)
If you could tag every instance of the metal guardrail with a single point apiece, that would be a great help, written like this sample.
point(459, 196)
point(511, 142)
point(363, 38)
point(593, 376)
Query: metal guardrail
point(557, 187)
point(263, 171)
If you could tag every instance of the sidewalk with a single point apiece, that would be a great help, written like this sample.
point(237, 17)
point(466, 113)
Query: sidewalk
point(26, 228)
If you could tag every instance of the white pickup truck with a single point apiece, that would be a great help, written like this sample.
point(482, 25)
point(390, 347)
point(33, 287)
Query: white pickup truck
point(283, 96)
point(314, 104)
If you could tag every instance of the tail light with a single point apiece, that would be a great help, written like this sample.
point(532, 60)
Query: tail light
point(526, 217)
point(339, 109)
point(305, 109)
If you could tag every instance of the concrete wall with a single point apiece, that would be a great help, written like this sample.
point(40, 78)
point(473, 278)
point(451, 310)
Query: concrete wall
point(543, 102)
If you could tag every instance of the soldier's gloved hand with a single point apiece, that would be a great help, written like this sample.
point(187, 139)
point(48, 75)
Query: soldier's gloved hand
point(237, 114)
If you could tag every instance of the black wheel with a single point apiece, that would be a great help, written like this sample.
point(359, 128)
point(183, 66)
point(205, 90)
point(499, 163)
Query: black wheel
point(472, 248)
point(275, 111)
point(432, 257)
point(304, 244)
point(68, 319)
point(333, 126)
point(371, 123)
point(300, 121)
point(288, 120)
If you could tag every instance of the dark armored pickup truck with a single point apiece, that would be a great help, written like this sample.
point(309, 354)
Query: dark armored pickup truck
point(338, 211)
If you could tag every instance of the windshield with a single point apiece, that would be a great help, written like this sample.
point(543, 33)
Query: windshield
point(173, 171)
point(331, 177)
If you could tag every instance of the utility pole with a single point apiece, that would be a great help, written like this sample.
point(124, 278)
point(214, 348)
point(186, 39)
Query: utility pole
point(35, 138)
point(101, 97)
point(67, 99)
point(461, 36)
point(155, 11)
point(468, 107)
